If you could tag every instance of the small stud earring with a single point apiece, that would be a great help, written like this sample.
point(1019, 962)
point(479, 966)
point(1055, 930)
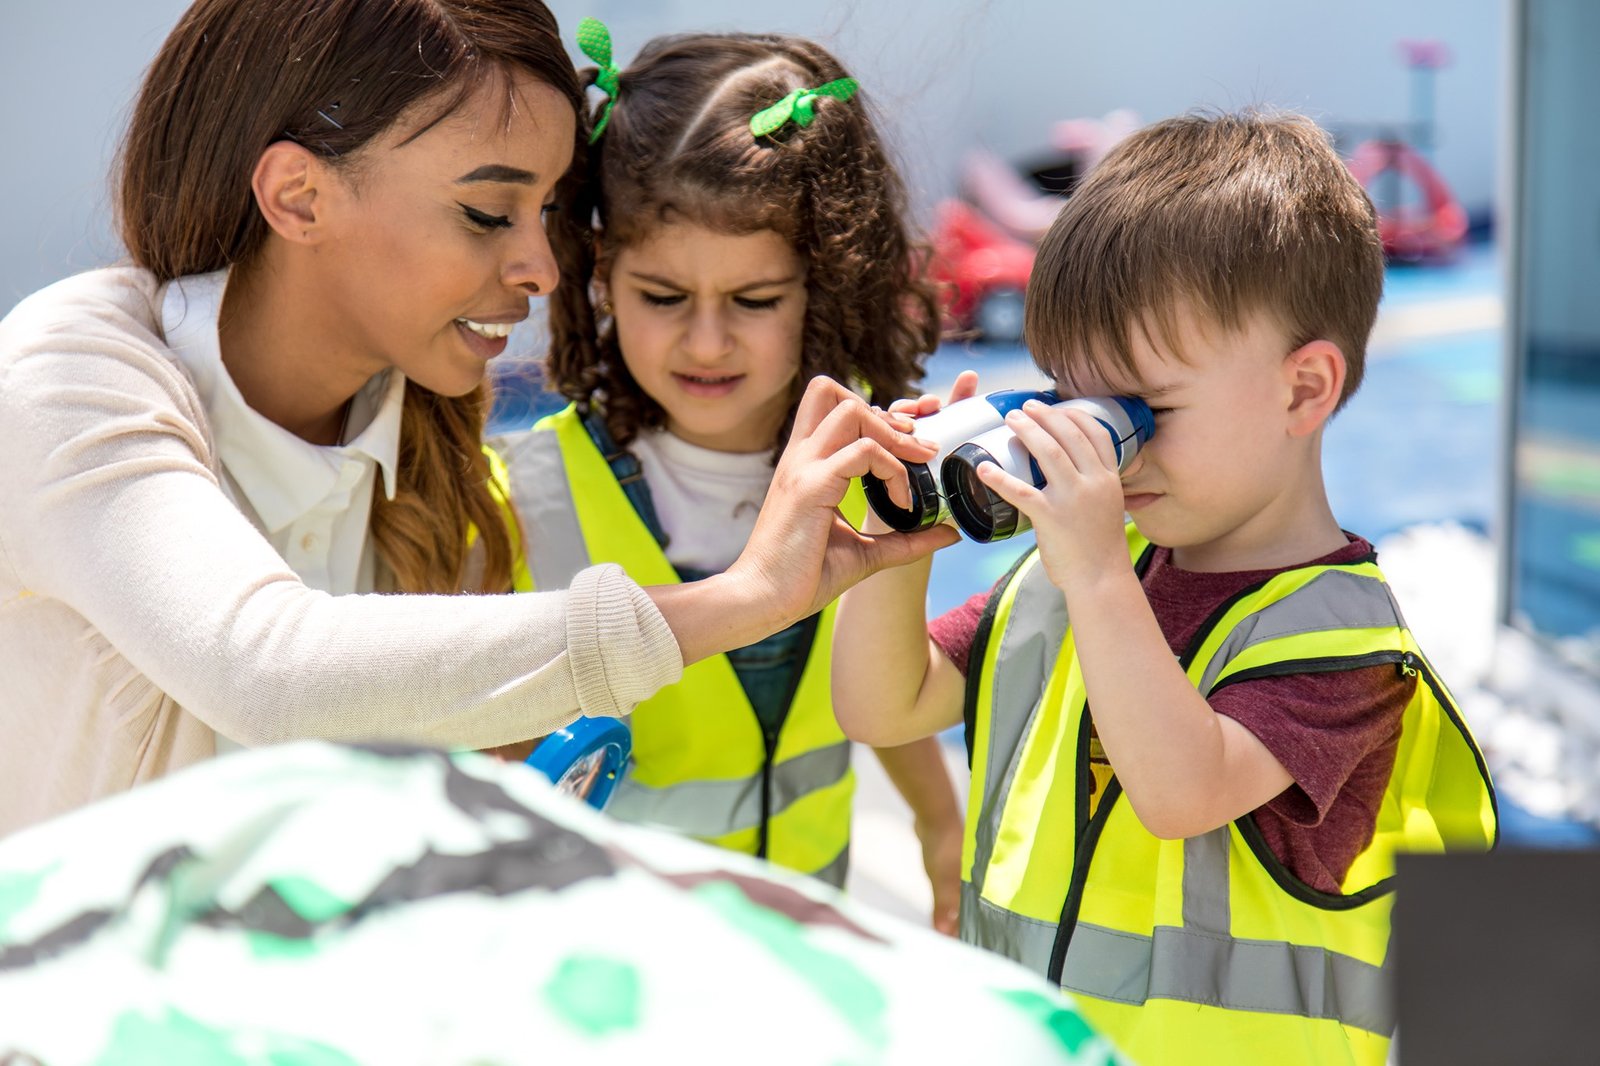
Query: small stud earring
point(605, 308)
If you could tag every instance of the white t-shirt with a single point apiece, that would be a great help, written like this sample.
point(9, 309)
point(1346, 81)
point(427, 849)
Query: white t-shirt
point(311, 502)
point(707, 500)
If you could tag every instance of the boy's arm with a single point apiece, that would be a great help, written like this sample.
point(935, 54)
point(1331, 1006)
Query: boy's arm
point(920, 776)
point(891, 684)
point(1186, 769)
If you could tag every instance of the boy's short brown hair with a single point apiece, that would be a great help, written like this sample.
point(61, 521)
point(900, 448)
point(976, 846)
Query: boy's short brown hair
point(1229, 215)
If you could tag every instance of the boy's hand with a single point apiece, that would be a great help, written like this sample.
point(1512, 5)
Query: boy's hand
point(1078, 514)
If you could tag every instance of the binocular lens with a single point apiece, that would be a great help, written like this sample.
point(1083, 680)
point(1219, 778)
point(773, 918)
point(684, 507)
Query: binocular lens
point(925, 502)
point(980, 513)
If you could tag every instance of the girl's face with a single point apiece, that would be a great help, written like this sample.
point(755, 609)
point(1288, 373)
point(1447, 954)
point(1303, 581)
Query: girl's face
point(710, 327)
point(437, 243)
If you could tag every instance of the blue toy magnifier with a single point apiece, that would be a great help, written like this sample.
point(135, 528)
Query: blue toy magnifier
point(585, 759)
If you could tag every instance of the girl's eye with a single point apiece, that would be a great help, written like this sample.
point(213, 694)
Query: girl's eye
point(483, 220)
point(658, 300)
point(750, 304)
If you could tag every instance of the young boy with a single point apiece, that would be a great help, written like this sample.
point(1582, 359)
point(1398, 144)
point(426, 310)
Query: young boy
point(1185, 800)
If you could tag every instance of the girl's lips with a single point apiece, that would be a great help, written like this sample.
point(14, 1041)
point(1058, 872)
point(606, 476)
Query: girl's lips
point(1136, 500)
point(708, 387)
point(483, 347)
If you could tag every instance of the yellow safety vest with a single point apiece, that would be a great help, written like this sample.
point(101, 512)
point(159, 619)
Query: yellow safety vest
point(701, 765)
point(1205, 950)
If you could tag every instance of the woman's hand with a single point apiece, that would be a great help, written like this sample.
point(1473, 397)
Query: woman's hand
point(964, 388)
point(803, 553)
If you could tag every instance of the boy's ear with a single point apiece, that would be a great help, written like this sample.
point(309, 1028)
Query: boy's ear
point(1314, 376)
point(290, 186)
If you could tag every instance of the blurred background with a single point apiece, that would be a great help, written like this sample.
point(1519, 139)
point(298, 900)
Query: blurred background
point(1472, 454)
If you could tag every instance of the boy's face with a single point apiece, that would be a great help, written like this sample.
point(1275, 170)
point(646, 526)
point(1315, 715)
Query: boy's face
point(1222, 474)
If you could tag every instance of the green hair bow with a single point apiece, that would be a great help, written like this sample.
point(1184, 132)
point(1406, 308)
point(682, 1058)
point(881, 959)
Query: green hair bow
point(799, 106)
point(595, 42)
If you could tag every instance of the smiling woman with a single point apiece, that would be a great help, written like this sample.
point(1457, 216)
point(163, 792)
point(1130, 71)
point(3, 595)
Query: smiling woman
point(334, 211)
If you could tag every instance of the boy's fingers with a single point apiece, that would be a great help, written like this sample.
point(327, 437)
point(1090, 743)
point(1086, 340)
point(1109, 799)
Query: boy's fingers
point(1019, 494)
point(1041, 441)
point(1097, 435)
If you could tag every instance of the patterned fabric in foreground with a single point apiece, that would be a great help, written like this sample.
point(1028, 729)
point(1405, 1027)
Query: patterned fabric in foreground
point(318, 905)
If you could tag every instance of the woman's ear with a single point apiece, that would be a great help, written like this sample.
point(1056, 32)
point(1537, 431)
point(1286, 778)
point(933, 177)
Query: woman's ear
point(289, 184)
point(1314, 376)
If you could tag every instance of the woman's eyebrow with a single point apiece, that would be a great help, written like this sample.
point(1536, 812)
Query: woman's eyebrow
point(499, 172)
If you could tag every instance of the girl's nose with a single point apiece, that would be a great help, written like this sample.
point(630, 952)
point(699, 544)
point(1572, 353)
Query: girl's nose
point(707, 339)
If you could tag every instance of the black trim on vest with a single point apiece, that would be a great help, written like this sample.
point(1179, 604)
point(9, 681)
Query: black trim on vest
point(980, 648)
point(1082, 854)
point(769, 739)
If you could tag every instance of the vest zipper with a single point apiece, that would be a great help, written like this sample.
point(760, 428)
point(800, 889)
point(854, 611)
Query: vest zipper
point(769, 738)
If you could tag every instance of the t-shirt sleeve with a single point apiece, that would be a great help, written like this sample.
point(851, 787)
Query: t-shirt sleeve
point(1320, 727)
point(956, 629)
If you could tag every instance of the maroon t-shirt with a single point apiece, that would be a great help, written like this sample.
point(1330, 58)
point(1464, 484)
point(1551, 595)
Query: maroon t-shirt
point(1335, 733)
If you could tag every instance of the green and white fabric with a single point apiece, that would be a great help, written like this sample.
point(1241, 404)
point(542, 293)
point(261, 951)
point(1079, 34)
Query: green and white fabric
point(316, 905)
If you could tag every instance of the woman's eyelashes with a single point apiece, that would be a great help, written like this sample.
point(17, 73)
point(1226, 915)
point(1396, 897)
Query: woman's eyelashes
point(483, 220)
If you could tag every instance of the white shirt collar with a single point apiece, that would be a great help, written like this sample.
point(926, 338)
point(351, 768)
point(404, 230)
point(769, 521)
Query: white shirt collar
point(282, 475)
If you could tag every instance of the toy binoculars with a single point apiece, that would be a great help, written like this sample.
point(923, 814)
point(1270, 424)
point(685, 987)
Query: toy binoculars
point(972, 432)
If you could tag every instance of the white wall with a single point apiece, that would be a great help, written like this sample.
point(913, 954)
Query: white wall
point(945, 74)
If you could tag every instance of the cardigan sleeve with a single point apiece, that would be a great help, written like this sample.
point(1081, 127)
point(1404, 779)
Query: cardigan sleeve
point(110, 504)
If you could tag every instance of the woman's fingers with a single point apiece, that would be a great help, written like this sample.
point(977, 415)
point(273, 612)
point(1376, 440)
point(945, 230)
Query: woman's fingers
point(851, 420)
point(888, 550)
point(965, 387)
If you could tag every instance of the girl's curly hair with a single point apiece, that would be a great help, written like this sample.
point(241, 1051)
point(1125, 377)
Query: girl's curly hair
point(678, 146)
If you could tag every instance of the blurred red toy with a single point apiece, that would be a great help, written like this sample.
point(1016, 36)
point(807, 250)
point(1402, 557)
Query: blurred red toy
point(981, 272)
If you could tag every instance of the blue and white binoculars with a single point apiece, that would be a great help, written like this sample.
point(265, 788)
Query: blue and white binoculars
point(973, 432)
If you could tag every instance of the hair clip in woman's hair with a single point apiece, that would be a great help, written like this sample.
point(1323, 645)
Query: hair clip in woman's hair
point(799, 106)
point(594, 40)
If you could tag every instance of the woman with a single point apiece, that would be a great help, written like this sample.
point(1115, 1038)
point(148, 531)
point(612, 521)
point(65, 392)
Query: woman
point(333, 212)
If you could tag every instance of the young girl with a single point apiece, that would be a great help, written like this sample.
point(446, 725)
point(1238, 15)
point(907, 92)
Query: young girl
point(333, 212)
point(751, 236)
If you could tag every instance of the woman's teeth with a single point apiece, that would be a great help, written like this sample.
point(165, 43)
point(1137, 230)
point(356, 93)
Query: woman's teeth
point(710, 381)
point(492, 330)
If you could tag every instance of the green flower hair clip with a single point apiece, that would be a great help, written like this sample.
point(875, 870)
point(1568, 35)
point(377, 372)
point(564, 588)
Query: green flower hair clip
point(595, 42)
point(799, 106)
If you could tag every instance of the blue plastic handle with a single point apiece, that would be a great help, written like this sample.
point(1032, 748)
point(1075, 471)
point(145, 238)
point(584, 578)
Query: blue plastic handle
point(585, 759)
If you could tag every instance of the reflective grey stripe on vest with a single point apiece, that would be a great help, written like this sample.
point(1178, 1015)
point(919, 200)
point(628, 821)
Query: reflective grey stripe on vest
point(835, 872)
point(1194, 964)
point(1028, 655)
point(1200, 962)
point(1334, 599)
point(542, 495)
point(716, 808)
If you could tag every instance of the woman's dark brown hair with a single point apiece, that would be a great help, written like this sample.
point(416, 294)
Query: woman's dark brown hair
point(679, 148)
point(237, 75)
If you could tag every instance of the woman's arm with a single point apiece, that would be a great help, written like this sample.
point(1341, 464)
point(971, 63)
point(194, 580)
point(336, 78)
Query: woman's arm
point(110, 504)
